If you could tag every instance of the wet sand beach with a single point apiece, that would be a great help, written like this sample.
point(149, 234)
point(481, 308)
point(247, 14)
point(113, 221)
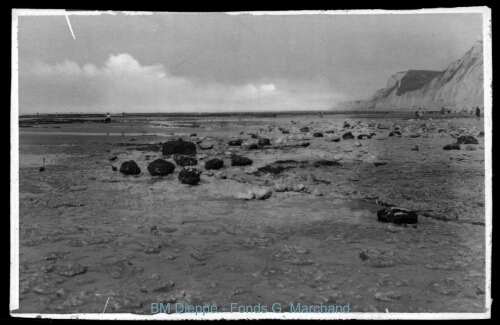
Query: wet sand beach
point(90, 235)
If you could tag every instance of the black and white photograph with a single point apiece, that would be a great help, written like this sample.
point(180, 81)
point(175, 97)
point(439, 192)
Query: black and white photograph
point(251, 164)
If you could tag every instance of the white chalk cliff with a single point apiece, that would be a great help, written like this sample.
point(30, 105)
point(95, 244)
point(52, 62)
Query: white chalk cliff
point(459, 86)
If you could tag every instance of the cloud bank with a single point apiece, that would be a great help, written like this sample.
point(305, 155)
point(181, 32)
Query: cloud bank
point(122, 84)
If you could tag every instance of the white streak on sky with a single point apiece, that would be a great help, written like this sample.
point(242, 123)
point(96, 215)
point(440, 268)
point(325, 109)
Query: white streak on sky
point(69, 24)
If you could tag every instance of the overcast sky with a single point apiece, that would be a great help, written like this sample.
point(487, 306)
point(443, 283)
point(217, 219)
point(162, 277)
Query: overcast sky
point(219, 62)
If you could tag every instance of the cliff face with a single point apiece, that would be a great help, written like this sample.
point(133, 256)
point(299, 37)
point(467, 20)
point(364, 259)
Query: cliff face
point(459, 86)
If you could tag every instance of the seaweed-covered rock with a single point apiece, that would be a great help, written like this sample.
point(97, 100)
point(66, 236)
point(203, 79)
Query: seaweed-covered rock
point(161, 167)
point(130, 168)
point(454, 146)
point(253, 146)
point(348, 135)
point(382, 127)
point(179, 147)
point(214, 163)
point(318, 135)
point(397, 215)
point(185, 160)
point(264, 142)
point(235, 142)
point(240, 161)
point(304, 129)
point(190, 176)
point(467, 139)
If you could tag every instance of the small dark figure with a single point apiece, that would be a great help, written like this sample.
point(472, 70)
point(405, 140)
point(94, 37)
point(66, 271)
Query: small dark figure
point(108, 119)
point(43, 165)
point(478, 112)
point(114, 168)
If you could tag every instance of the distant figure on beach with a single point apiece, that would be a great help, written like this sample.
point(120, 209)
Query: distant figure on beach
point(478, 112)
point(108, 119)
point(419, 113)
point(442, 110)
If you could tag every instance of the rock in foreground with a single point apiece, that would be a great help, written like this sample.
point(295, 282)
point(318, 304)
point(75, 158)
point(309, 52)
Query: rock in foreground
point(240, 161)
point(214, 164)
point(179, 147)
point(185, 160)
point(130, 168)
point(190, 176)
point(348, 135)
point(397, 215)
point(262, 194)
point(264, 142)
point(205, 146)
point(454, 146)
point(161, 167)
point(467, 139)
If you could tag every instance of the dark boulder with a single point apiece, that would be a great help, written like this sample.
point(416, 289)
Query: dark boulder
point(454, 146)
point(395, 133)
point(193, 135)
point(348, 135)
point(253, 146)
point(330, 131)
point(190, 176)
point(254, 136)
point(214, 164)
point(285, 131)
point(130, 168)
point(179, 147)
point(346, 125)
point(304, 129)
point(161, 167)
point(264, 142)
point(382, 127)
point(318, 135)
point(182, 160)
point(240, 161)
point(481, 134)
point(397, 215)
point(235, 142)
point(467, 139)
